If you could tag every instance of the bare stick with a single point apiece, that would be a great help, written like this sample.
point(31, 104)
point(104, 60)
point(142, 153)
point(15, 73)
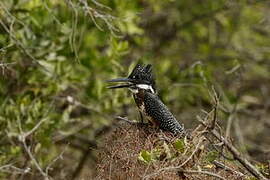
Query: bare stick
point(230, 120)
point(203, 172)
point(223, 166)
point(34, 128)
point(129, 121)
point(216, 102)
point(12, 169)
point(27, 149)
point(60, 156)
point(23, 135)
point(189, 158)
point(236, 154)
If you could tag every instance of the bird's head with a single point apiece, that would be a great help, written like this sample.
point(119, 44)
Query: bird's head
point(141, 78)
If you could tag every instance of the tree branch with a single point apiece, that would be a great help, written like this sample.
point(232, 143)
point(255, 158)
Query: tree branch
point(236, 154)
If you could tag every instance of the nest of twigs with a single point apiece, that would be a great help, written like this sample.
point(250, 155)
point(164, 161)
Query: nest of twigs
point(140, 152)
point(134, 151)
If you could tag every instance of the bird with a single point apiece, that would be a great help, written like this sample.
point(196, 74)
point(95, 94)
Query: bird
point(141, 82)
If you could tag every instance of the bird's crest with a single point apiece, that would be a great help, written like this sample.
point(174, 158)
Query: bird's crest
point(141, 77)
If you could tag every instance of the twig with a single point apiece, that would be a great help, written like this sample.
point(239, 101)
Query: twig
point(72, 37)
point(22, 138)
point(60, 136)
point(21, 46)
point(98, 14)
point(129, 121)
point(101, 5)
point(5, 66)
point(60, 156)
point(34, 128)
point(192, 154)
point(230, 119)
point(27, 149)
point(172, 168)
point(223, 166)
point(236, 154)
point(14, 169)
point(216, 102)
point(218, 150)
point(203, 172)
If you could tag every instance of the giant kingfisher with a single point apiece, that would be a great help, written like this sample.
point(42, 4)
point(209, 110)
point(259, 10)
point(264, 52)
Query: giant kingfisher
point(142, 84)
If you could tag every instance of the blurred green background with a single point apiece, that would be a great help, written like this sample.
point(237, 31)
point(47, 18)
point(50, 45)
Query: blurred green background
point(56, 55)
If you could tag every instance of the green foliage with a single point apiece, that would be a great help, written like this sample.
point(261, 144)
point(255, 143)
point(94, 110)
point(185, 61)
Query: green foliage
point(145, 156)
point(264, 169)
point(56, 55)
point(163, 150)
point(211, 156)
point(179, 145)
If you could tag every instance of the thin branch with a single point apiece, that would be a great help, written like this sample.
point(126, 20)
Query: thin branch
point(20, 45)
point(223, 166)
point(231, 118)
point(129, 121)
point(44, 118)
point(236, 154)
point(34, 128)
point(203, 172)
point(60, 136)
point(192, 154)
point(173, 168)
point(216, 103)
point(218, 150)
point(101, 5)
point(6, 66)
point(23, 135)
point(27, 149)
point(13, 169)
point(60, 156)
point(98, 14)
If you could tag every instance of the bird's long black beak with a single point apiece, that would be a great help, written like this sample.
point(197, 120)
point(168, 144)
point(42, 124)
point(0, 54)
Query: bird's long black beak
point(121, 80)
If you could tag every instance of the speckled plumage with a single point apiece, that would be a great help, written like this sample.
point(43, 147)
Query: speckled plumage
point(156, 112)
point(142, 84)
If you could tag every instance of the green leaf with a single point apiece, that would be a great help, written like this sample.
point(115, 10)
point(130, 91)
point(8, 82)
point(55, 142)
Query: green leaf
point(179, 145)
point(211, 156)
point(145, 156)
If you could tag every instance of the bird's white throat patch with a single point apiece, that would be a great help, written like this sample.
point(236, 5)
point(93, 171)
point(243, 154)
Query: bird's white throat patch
point(146, 87)
point(141, 86)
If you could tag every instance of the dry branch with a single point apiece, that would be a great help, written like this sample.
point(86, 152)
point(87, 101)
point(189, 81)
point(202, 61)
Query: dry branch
point(23, 139)
point(224, 140)
point(223, 166)
point(203, 172)
point(236, 154)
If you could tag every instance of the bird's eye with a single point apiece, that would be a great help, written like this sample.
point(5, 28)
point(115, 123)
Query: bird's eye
point(136, 77)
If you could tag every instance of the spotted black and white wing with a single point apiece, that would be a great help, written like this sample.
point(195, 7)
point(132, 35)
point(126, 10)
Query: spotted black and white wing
point(155, 109)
